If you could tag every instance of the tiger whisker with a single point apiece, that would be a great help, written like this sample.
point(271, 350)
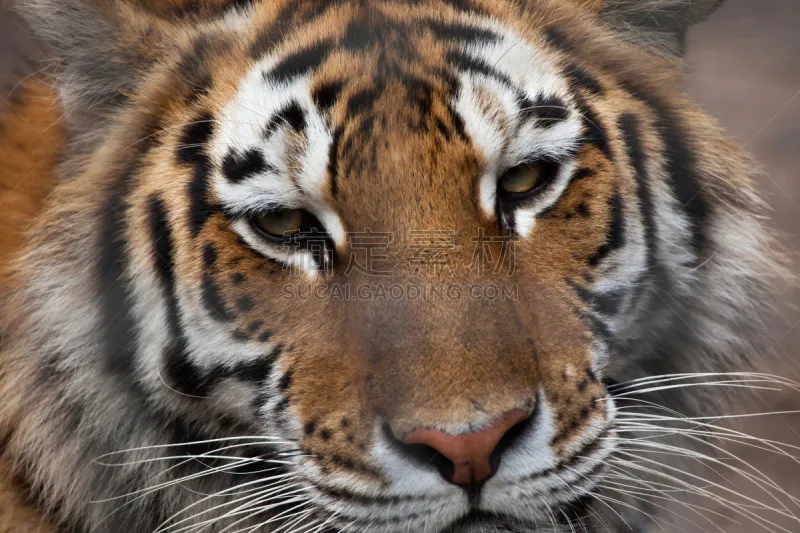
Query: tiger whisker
point(666, 378)
point(693, 454)
point(256, 486)
point(245, 507)
point(734, 506)
point(248, 529)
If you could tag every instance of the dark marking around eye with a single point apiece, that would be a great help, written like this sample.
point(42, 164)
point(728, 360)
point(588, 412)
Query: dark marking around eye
point(326, 94)
point(300, 63)
point(237, 167)
point(548, 110)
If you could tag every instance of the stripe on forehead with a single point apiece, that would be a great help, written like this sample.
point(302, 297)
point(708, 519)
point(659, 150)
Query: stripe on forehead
point(273, 143)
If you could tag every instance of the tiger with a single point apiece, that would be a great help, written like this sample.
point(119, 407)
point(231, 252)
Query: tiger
point(369, 266)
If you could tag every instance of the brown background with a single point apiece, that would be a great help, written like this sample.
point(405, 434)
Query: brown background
point(744, 69)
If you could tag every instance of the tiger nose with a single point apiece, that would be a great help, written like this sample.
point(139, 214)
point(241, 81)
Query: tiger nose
point(471, 458)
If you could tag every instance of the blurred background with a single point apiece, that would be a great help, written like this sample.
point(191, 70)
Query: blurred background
point(744, 68)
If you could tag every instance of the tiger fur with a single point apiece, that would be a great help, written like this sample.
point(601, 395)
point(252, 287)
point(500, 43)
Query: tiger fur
point(161, 357)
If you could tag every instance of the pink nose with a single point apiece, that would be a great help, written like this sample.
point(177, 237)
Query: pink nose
point(471, 454)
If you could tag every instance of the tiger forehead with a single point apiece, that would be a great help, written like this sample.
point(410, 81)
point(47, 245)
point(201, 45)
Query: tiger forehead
point(316, 96)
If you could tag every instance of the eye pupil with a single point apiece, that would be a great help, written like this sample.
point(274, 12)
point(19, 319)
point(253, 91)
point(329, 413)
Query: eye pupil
point(522, 179)
point(280, 223)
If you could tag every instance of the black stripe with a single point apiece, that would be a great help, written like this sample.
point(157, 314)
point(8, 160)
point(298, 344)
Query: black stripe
point(594, 131)
point(291, 19)
point(607, 304)
point(458, 122)
point(292, 115)
point(162, 246)
point(598, 328)
point(183, 376)
point(582, 174)
point(333, 160)
point(194, 138)
point(118, 323)
point(680, 162)
point(549, 109)
point(555, 36)
point(468, 63)
point(200, 209)
point(237, 167)
point(628, 125)
point(300, 62)
point(192, 151)
point(327, 93)
point(615, 237)
point(212, 297)
point(461, 32)
point(362, 101)
point(583, 80)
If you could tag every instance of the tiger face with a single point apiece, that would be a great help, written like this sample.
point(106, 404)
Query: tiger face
point(389, 255)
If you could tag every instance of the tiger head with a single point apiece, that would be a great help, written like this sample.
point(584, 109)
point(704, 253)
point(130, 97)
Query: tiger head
point(369, 266)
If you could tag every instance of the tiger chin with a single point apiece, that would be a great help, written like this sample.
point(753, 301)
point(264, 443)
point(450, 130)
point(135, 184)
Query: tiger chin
point(585, 247)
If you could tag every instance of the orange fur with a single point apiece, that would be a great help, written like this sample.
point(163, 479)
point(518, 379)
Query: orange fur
point(31, 135)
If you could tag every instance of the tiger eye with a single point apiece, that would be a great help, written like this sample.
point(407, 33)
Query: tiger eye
point(522, 179)
point(280, 223)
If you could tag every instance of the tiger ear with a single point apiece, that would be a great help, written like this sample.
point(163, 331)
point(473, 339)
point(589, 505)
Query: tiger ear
point(660, 22)
point(101, 46)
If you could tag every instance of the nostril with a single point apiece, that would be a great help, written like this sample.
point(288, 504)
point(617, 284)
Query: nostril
point(468, 459)
point(428, 456)
point(511, 437)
